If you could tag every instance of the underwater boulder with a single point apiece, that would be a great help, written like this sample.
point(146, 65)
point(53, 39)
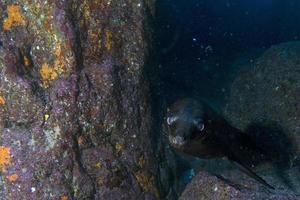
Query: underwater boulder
point(265, 102)
point(205, 186)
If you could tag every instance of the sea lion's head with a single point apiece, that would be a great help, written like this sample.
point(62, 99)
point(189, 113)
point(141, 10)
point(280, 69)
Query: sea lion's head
point(184, 122)
point(193, 128)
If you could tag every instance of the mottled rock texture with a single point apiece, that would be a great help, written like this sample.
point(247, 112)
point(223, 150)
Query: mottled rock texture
point(265, 100)
point(75, 117)
point(208, 187)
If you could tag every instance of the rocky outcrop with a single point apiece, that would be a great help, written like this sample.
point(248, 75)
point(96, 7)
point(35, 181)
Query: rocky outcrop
point(75, 116)
point(264, 101)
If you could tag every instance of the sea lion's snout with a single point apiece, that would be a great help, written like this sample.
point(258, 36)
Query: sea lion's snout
point(183, 124)
point(177, 140)
point(176, 130)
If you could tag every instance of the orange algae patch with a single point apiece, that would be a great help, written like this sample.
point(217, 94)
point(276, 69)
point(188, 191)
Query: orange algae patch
point(142, 161)
point(48, 25)
point(2, 100)
point(5, 159)
point(80, 140)
point(57, 51)
point(147, 183)
point(13, 178)
point(108, 42)
point(119, 147)
point(26, 61)
point(99, 165)
point(14, 17)
point(47, 73)
point(59, 62)
point(64, 198)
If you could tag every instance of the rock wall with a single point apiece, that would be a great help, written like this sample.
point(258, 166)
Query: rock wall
point(75, 116)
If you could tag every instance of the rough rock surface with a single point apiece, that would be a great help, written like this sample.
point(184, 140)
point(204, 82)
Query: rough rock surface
point(208, 187)
point(75, 117)
point(265, 100)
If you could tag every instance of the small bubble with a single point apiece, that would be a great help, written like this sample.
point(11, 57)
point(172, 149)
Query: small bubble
point(33, 189)
point(216, 189)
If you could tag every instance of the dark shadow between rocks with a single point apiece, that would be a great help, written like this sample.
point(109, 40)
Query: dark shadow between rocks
point(276, 146)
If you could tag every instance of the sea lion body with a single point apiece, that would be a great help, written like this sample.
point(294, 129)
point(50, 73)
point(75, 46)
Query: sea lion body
point(194, 128)
point(215, 140)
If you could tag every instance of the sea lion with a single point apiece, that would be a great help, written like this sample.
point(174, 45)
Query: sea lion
point(194, 128)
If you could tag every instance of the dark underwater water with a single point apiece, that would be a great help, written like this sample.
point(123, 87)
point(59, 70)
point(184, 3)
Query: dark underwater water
point(202, 46)
point(200, 39)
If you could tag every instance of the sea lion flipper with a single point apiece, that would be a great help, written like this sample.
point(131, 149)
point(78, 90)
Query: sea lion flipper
point(252, 174)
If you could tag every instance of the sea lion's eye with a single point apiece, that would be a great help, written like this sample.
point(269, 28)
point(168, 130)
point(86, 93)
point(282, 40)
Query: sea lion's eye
point(171, 120)
point(199, 124)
